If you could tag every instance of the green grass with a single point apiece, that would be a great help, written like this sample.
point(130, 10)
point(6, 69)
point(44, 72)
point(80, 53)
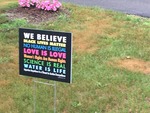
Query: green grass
point(99, 37)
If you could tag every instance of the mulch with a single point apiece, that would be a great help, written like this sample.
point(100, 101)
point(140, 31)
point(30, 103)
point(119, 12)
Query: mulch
point(34, 15)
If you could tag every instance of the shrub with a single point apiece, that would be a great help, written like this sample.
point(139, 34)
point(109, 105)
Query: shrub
point(41, 4)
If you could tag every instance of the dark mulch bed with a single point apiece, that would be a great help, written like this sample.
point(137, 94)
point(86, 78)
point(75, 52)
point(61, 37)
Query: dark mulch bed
point(34, 15)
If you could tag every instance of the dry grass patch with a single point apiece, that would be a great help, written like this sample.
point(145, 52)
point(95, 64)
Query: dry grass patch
point(135, 65)
point(85, 40)
point(15, 54)
point(6, 105)
point(10, 68)
point(4, 83)
point(148, 99)
point(4, 3)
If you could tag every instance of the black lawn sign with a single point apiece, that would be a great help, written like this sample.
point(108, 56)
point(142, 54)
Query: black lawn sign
point(45, 54)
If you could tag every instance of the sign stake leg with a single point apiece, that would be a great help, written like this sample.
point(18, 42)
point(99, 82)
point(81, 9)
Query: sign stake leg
point(35, 92)
point(34, 95)
point(54, 96)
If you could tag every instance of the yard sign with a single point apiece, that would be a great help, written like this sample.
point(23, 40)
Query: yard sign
point(45, 54)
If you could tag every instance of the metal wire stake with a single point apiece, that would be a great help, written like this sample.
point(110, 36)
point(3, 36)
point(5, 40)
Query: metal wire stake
point(34, 92)
point(54, 96)
point(34, 96)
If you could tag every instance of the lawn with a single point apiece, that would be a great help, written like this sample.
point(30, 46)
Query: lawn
point(111, 63)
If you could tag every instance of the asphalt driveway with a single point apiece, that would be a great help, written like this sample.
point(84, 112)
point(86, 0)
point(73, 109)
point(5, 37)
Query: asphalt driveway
point(135, 7)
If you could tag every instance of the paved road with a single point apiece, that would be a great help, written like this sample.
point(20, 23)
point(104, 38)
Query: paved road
point(136, 7)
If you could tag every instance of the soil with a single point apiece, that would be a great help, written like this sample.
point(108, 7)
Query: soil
point(135, 65)
point(34, 15)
